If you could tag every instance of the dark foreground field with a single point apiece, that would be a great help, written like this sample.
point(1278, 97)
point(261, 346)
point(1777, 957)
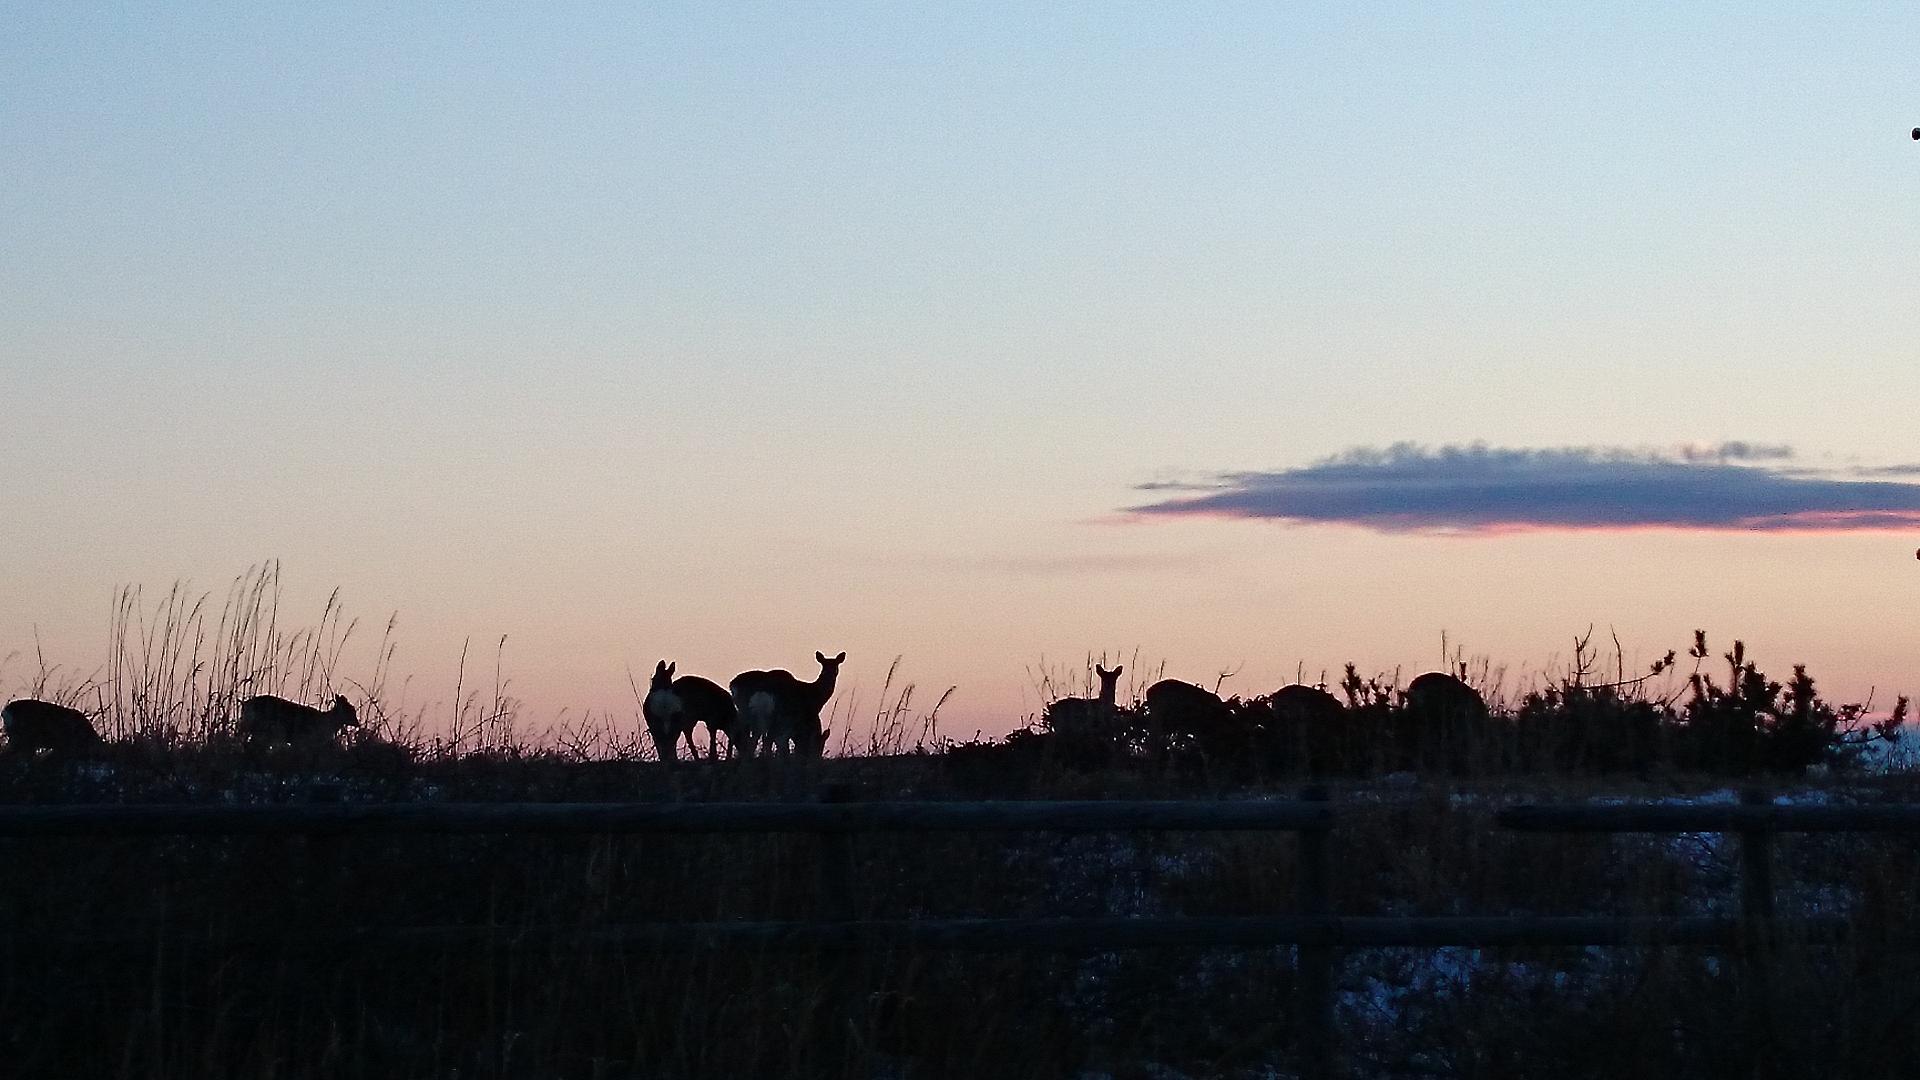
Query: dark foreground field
point(225, 956)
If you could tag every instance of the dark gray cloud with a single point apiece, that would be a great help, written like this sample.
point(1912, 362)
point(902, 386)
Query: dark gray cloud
point(1732, 486)
point(1735, 450)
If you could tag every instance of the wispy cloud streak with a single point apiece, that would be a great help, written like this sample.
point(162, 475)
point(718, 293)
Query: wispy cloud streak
point(1736, 486)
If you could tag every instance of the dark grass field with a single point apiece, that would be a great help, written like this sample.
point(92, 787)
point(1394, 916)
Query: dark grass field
point(235, 956)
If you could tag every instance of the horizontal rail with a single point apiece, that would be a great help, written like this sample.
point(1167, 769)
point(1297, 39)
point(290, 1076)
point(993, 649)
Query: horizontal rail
point(1043, 935)
point(1002, 816)
point(744, 817)
point(1666, 818)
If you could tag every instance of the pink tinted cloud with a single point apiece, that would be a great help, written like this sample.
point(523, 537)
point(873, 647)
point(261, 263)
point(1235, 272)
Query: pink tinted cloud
point(1480, 490)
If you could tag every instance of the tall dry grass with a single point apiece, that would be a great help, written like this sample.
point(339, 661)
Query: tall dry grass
point(177, 666)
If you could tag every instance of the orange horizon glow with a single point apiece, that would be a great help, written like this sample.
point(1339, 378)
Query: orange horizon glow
point(1242, 608)
point(727, 338)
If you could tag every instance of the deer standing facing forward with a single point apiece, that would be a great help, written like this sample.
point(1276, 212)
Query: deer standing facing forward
point(778, 709)
point(1086, 716)
point(267, 720)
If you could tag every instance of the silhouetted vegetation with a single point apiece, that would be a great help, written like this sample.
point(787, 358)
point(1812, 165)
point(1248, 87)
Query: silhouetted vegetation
point(1579, 724)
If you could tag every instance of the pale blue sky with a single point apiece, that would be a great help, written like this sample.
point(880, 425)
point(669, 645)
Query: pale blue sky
point(728, 333)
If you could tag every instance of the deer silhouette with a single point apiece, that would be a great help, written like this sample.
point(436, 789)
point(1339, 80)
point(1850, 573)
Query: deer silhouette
point(32, 725)
point(1184, 708)
point(1087, 716)
point(1303, 704)
point(267, 721)
point(781, 712)
point(674, 705)
point(1448, 718)
point(1442, 696)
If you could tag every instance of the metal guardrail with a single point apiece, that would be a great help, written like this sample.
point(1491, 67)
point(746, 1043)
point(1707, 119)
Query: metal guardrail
point(1722, 817)
point(609, 818)
point(1315, 928)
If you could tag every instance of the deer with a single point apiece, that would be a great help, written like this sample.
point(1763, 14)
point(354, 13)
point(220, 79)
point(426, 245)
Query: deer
point(1447, 720)
point(778, 709)
point(1303, 726)
point(1176, 706)
point(1087, 716)
point(674, 705)
point(266, 720)
point(32, 725)
point(1303, 704)
point(1440, 695)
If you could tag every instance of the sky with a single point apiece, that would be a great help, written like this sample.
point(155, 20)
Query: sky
point(1235, 338)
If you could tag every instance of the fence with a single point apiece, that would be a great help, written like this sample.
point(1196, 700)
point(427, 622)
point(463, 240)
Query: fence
point(1315, 928)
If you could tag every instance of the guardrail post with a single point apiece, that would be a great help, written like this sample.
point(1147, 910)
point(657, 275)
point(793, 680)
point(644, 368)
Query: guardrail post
point(1757, 932)
point(836, 861)
point(1318, 1053)
point(835, 854)
point(322, 862)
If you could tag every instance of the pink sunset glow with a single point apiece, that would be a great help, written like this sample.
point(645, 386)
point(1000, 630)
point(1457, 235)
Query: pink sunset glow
point(732, 350)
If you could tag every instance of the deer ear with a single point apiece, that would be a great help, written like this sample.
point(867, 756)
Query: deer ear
point(820, 656)
point(673, 667)
point(842, 658)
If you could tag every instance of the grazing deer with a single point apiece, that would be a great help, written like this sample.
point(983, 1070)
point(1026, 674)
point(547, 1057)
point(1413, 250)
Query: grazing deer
point(1304, 728)
point(1086, 716)
point(33, 725)
point(1448, 721)
point(674, 705)
point(1302, 704)
point(267, 720)
point(1442, 696)
point(1182, 707)
point(712, 705)
point(778, 709)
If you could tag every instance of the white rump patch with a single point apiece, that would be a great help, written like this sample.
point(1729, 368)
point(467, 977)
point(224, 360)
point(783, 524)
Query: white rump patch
point(762, 705)
point(663, 704)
